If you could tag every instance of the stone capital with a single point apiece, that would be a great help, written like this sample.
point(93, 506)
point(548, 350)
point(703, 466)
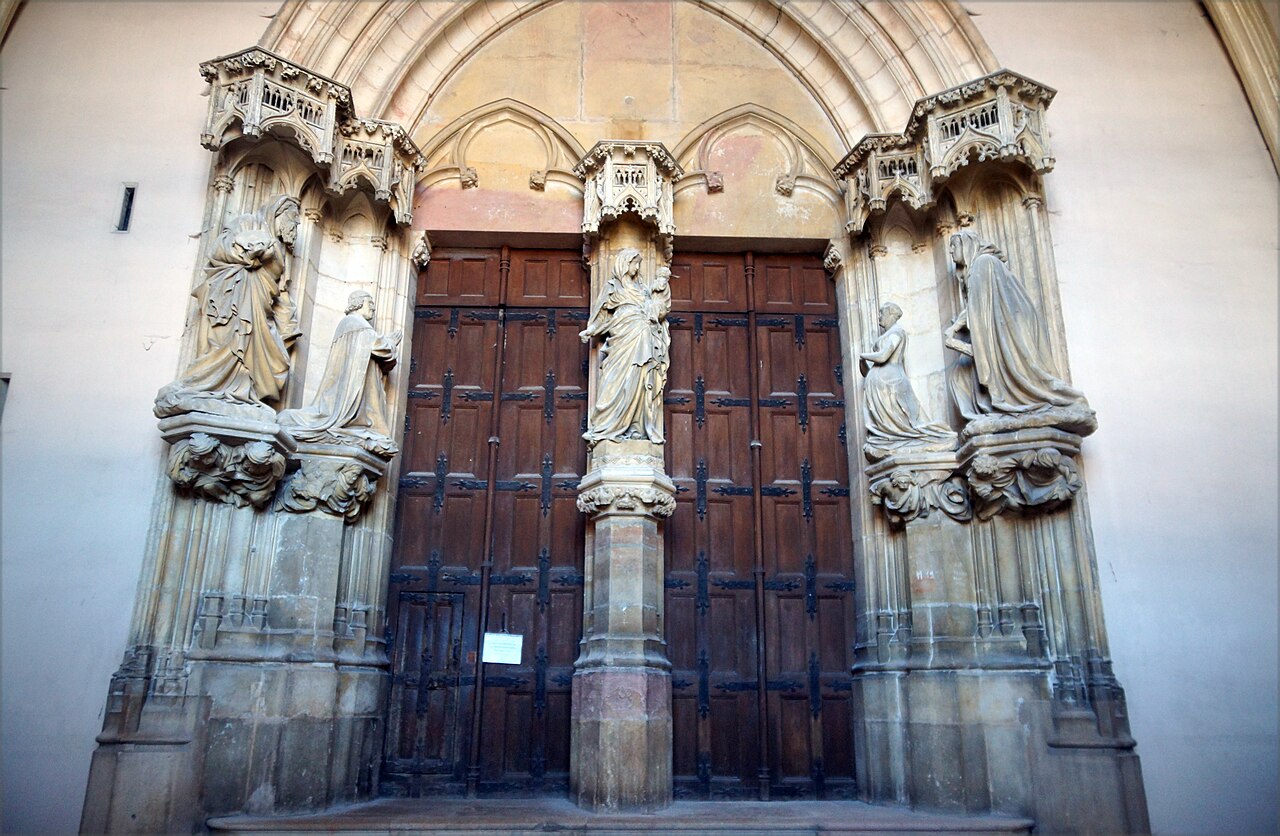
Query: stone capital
point(1027, 471)
point(910, 484)
point(627, 489)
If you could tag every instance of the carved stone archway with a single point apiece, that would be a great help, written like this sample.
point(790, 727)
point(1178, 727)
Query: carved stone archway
point(982, 677)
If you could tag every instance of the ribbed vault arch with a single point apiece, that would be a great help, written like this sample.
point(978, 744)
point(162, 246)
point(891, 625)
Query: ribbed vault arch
point(865, 63)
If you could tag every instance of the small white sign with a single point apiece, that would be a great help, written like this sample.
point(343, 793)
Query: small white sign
point(502, 648)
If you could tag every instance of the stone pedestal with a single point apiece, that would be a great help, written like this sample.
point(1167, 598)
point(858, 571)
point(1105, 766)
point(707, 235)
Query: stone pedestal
point(621, 725)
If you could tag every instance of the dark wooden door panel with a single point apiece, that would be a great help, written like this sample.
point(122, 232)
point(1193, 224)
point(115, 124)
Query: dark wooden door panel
point(461, 277)
point(493, 381)
point(759, 569)
point(548, 279)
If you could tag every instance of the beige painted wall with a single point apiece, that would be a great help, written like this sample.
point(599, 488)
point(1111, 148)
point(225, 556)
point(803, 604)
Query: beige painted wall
point(1164, 212)
point(1164, 219)
point(96, 94)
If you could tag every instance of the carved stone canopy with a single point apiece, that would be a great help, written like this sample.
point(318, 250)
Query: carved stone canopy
point(997, 117)
point(624, 177)
point(382, 156)
point(255, 90)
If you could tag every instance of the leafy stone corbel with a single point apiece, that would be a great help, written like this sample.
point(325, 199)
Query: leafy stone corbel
point(226, 458)
point(332, 478)
point(912, 484)
point(421, 255)
point(832, 259)
point(1027, 471)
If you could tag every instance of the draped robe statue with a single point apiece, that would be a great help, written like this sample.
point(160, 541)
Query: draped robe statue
point(891, 412)
point(246, 319)
point(631, 316)
point(1012, 369)
point(350, 407)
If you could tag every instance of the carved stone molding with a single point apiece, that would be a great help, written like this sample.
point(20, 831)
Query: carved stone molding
point(627, 489)
point(1026, 471)
point(255, 91)
point(912, 484)
point(225, 458)
point(333, 479)
point(997, 117)
point(625, 177)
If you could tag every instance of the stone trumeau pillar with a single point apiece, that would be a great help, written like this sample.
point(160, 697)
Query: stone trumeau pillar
point(255, 672)
point(981, 666)
point(621, 717)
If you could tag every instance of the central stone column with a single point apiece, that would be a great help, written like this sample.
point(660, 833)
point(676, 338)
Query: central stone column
point(621, 726)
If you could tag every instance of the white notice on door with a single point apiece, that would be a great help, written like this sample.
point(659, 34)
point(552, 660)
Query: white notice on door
point(502, 648)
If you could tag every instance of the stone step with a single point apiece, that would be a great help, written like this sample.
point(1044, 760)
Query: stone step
point(517, 817)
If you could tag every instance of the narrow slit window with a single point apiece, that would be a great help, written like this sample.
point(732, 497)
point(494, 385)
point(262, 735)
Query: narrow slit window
point(126, 208)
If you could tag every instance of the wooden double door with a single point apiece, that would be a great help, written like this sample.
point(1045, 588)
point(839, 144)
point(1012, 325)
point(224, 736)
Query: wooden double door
point(759, 620)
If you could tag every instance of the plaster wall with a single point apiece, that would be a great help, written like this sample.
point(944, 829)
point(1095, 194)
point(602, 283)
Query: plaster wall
point(1164, 207)
point(1164, 220)
point(96, 94)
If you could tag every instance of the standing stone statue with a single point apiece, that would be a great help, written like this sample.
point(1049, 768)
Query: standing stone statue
point(1011, 369)
point(631, 316)
point(891, 412)
point(350, 407)
point(246, 319)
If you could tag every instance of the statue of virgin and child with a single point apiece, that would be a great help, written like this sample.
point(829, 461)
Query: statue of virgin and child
point(630, 316)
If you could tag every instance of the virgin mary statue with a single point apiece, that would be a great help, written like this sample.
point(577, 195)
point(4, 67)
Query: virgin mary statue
point(631, 317)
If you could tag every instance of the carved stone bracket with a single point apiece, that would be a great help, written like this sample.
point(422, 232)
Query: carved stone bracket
point(333, 479)
point(223, 458)
point(910, 485)
point(627, 489)
point(254, 91)
point(624, 177)
point(997, 117)
point(1028, 471)
point(421, 255)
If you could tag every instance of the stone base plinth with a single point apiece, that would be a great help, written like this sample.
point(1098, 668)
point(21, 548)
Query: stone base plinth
point(984, 741)
point(621, 740)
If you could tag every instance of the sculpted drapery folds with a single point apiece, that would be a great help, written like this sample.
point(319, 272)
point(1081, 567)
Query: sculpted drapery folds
point(351, 404)
point(246, 318)
point(891, 412)
point(1012, 370)
point(630, 315)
